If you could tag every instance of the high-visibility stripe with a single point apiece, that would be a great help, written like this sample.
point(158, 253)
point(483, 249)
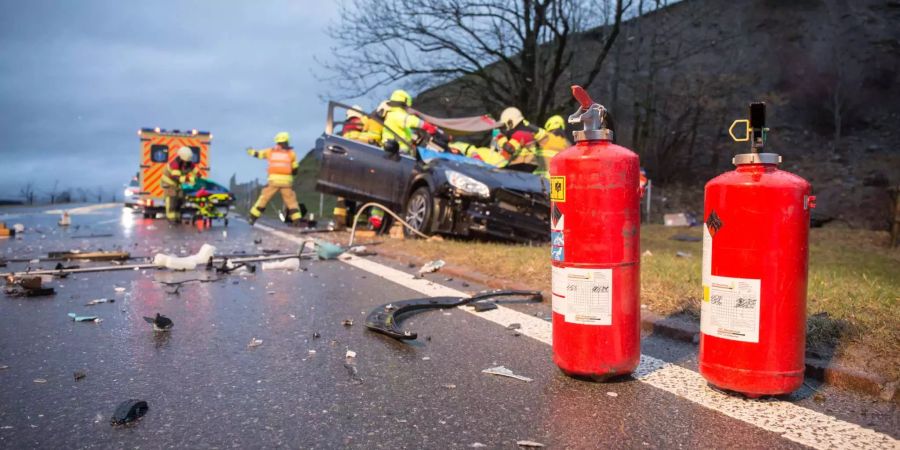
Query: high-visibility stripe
point(151, 177)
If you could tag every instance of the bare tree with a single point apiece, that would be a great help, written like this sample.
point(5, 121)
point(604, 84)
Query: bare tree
point(54, 192)
point(27, 192)
point(505, 52)
point(81, 194)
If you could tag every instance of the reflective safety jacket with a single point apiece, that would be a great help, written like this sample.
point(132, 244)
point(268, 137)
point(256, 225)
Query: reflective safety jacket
point(283, 164)
point(399, 121)
point(178, 172)
point(519, 144)
point(486, 154)
point(362, 129)
point(553, 142)
point(352, 128)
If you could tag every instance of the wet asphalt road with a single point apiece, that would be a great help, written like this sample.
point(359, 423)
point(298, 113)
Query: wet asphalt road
point(207, 388)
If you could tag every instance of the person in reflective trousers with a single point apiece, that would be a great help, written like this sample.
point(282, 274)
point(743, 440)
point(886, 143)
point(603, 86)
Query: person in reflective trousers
point(180, 170)
point(283, 166)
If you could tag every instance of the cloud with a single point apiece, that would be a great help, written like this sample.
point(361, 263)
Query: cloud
point(77, 80)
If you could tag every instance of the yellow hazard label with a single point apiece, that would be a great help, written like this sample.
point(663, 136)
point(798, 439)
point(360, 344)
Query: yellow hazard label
point(706, 294)
point(558, 189)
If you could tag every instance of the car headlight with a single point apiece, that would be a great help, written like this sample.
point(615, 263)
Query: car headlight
point(467, 185)
point(128, 192)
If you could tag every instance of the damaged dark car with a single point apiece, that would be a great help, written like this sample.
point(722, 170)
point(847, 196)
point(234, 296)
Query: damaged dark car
point(434, 191)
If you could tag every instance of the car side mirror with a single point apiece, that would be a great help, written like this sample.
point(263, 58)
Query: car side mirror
point(391, 146)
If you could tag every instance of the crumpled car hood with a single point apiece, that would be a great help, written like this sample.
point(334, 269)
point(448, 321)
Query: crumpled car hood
point(495, 178)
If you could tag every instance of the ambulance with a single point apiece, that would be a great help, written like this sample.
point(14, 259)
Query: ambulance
point(158, 148)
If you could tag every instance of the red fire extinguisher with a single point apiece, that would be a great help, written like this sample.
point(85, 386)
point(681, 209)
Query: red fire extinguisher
point(595, 231)
point(755, 251)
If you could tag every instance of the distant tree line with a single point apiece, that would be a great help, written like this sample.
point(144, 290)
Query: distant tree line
point(30, 194)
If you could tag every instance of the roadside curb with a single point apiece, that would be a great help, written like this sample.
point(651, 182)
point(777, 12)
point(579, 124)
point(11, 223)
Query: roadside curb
point(832, 373)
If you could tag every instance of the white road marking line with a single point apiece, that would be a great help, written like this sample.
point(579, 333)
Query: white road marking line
point(792, 422)
point(83, 209)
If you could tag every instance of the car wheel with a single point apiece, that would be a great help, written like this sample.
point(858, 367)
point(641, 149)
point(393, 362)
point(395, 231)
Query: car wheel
point(419, 211)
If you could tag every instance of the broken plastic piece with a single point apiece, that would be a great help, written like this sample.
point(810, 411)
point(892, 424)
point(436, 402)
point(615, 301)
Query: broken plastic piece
point(432, 266)
point(285, 264)
point(327, 250)
point(78, 318)
point(504, 372)
point(185, 263)
point(351, 354)
point(384, 319)
point(129, 411)
point(529, 444)
point(347, 322)
point(484, 306)
point(96, 301)
point(254, 342)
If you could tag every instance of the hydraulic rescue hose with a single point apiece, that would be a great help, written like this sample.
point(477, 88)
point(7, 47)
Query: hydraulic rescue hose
point(386, 209)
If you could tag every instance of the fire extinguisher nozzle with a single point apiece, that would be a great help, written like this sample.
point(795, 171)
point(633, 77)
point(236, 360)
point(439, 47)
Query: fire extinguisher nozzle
point(584, 99)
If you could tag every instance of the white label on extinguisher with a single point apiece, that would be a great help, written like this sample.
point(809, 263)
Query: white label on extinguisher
point(583, 296)
point(730, 308)
point(558, 290)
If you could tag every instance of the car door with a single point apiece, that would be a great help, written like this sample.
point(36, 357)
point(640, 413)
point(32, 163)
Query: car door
point(363, 172)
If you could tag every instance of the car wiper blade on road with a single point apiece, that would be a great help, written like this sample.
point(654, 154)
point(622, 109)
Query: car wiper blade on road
point(385, 319)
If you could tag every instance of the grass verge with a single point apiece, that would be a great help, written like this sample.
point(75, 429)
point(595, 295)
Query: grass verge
point(853, 294)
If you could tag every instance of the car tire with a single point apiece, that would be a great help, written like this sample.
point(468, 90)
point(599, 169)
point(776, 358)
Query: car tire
point(419, 212)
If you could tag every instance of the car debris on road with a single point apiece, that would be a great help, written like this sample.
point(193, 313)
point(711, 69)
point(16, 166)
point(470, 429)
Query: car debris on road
point(129, 411)
point(431, 266)
point(384, 319)
point(77, 318)
point(160, 322)
point(504, 372)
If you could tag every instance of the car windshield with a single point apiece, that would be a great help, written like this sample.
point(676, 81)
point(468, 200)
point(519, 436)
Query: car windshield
point(428, 155)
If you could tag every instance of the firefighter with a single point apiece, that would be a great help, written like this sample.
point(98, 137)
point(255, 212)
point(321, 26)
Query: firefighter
point(485, 154)
point(180, 171)
point(283, 166)
point(518, 139)
point(354, 124)
point(398, 121)
point(553, 141)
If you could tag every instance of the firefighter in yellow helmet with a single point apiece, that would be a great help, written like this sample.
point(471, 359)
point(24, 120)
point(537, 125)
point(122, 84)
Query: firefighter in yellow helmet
point(551, 142)
point(181, 170)
point(397, 121)
point(283, 166)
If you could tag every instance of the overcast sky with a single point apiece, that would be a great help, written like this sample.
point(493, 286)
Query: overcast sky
point(78, 78)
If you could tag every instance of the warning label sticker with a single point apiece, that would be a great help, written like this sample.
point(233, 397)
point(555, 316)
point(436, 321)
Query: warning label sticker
point(558, 189)
point(730, 308)
point(583, 296)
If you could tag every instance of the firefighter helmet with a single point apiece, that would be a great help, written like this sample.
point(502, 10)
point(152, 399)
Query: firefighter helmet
point(282, 138)
point(511, 117)
point(401, 96)
point(382, 109)
point(555, 122)
point(185, 154)
point(355, 111)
